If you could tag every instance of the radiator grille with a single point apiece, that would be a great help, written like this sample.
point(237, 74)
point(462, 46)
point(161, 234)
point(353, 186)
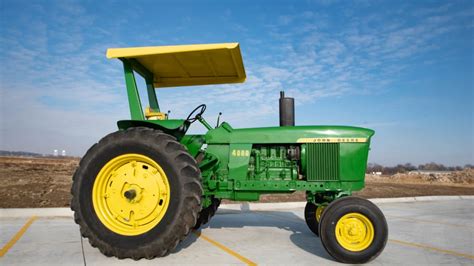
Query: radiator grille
point(322, 161)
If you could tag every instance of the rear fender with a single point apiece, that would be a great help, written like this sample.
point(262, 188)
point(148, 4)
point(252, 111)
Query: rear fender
point(174, 127)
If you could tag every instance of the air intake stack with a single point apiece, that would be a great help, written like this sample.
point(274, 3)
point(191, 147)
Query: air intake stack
point(287, 110)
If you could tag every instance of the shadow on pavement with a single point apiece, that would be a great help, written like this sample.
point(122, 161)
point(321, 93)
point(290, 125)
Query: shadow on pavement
point(187, 242)
point(301, 235)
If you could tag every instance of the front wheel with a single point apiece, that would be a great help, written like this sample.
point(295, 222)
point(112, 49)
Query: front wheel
point(312, 216)
point(353, 230)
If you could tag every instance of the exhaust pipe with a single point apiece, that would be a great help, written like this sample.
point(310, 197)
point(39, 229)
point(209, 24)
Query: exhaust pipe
point(287, 110)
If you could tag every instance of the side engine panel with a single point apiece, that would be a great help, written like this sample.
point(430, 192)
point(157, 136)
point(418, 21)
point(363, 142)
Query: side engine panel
point(312, 162)
point(254, 169)
point(274, 162)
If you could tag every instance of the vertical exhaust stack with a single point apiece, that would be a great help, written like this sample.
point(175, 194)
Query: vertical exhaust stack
point(287, 110)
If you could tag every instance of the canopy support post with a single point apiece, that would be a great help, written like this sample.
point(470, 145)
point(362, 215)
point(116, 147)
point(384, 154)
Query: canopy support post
point(148, 76)
point(136, 110)
point(152, 95)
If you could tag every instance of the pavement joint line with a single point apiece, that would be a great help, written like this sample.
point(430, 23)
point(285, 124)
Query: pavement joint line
point(17, 236)
point(450, 252)
point(428, 221)
point(226, 249)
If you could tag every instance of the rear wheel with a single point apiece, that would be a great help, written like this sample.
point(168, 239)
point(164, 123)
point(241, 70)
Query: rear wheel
point(353, 230)
point(136, 194)
point(207, 213)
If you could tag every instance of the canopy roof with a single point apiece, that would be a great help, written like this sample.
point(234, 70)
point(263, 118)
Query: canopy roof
point(187, 65)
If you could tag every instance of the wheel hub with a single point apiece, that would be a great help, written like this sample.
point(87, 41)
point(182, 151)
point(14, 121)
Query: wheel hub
point(354, 232)
point(131, 194)
point(319, 212)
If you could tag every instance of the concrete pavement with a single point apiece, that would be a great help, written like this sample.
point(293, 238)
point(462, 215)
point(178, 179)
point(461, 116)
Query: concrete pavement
point(421, 233)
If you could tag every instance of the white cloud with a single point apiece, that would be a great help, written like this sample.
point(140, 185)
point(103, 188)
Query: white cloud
point(59, 86)
point(51, 95)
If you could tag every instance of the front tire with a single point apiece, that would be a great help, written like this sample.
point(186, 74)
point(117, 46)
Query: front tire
point(353, 230)
point(136, 194)
point(312, 216)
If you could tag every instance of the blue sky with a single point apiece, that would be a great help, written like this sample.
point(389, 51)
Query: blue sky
point(404, 69)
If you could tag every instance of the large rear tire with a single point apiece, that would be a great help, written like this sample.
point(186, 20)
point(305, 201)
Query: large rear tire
point(136, 194)
point(353, 230)
point(207, 213)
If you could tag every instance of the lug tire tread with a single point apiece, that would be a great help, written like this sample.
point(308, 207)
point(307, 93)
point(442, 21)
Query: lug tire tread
point(189, 206)
point(207, 213)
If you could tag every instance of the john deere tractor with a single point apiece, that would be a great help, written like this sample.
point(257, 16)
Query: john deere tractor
point(139, 191)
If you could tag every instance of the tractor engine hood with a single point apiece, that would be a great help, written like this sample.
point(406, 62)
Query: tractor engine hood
point(295, 134)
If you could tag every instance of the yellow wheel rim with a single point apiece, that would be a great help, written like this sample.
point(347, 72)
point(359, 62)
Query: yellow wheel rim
point(319, 212)
point(354, 232)
point(131, 194)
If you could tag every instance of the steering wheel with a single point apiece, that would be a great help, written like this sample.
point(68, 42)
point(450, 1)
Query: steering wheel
point(201, 108)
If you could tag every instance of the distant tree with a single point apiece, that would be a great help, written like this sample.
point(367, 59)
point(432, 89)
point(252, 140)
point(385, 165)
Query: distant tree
point(373, 167)
point(409, 167)
point(433, 167)
point(390, 170)
point(400, 169)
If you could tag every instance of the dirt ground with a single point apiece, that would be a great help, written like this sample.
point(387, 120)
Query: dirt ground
point(46, 182)
point(35, 182)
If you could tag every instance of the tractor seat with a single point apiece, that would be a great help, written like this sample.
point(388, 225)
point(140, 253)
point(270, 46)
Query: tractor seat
point(150, 114)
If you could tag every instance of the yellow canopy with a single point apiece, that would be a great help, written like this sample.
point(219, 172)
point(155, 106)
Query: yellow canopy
point(187, 65)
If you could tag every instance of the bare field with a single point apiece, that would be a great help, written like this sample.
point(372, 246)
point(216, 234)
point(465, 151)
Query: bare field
point(46, 182)
point(35, 182)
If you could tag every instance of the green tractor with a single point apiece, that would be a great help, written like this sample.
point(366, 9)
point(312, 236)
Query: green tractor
point(140, 191)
